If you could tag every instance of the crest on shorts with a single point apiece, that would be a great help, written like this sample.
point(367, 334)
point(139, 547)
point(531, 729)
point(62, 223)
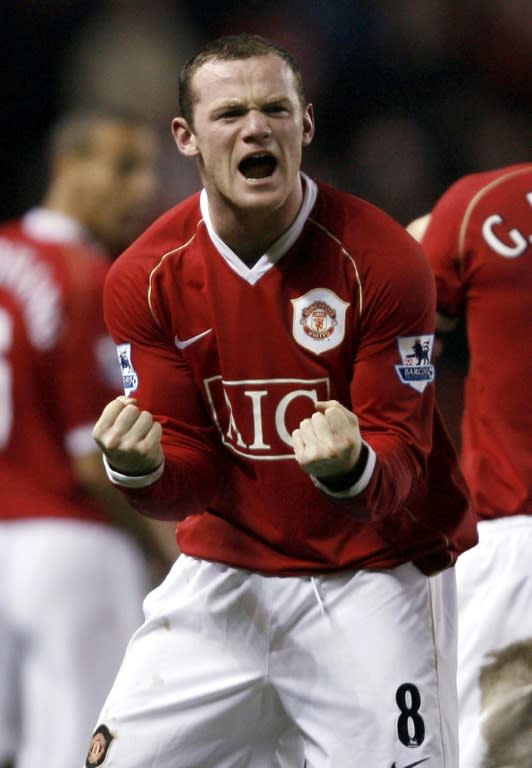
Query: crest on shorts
point(416, 368)
point(98, 747)
point(319, 320)
point(129, 376)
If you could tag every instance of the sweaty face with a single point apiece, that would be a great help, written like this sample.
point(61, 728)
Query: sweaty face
point(248, 134)
point(118, 182)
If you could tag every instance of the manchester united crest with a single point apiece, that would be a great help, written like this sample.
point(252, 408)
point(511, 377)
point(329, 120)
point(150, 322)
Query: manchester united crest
point(319, 320)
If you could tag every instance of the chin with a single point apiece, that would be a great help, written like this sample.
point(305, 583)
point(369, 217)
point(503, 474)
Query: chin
point(266, 194)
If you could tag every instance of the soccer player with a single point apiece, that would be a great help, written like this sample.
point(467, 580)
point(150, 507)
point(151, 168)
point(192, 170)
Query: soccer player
point(479, 242)
point(275, 407)
point(72, 574)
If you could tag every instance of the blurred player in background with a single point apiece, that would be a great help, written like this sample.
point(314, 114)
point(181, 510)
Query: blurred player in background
point(73, 572)
point(479, 241)
point(506, 705)
point(275, 405)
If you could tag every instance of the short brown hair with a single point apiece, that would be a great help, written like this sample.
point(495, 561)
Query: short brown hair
point(230, 48)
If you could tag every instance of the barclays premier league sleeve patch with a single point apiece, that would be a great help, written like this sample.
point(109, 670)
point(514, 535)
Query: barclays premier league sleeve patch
point(129, 376)
point(416, 368)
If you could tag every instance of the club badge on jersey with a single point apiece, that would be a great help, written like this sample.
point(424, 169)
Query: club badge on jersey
point(416, 368)
point(319, 320)
point(129, 376)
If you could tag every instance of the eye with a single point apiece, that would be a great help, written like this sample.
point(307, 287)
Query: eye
point(231, 113)
point(276, 109)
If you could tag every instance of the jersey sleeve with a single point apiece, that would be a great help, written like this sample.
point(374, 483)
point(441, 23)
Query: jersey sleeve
point(442, 242)
point(416, 492)
point(157, 376)
point(392, 389)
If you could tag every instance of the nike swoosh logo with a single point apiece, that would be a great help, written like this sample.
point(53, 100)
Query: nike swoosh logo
point(411, 765)
point(187, 342)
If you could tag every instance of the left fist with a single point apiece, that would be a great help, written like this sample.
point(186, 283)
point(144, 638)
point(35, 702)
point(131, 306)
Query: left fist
point(328, 444)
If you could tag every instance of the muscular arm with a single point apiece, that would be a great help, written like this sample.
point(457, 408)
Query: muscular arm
point(163, 425)
point(388, 414)
point(417, 228)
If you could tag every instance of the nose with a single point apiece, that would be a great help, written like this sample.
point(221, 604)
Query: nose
point(256, 125)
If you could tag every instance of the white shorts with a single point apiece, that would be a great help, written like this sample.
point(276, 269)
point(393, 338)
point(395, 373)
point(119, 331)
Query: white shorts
point(70, 597)
point(495, 645)
point(228, 662)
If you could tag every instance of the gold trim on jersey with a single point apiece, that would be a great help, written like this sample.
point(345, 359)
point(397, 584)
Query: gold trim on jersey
point(159, 264)
point(348, 256)
point(474, 201)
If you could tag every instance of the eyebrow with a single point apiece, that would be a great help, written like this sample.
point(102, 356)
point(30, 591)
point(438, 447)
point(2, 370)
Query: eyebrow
point(235, 103)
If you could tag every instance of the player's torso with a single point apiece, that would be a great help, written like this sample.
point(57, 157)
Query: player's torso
point(265, 343)
point(35, 283)
point(31, 316)
point(498, 281)
point(497, 264)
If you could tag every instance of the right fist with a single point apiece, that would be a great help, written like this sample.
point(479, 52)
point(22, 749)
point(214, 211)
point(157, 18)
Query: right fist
point(130, 438)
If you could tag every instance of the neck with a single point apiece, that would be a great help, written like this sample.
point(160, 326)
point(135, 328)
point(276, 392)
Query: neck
point(250, 232)
point(251, 238)
point(59, 202)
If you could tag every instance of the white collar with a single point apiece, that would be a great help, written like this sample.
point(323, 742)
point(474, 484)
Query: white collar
point(53, 227)
point(277, 250)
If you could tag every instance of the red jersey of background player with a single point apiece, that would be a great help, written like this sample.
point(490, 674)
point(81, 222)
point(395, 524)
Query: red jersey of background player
point(479, 242)
point(53, 345)
point(230, 359)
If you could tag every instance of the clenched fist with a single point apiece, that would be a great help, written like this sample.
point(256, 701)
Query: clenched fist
point(328, 445)
point(129, 437)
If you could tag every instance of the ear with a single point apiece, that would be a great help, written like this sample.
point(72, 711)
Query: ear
point(184, 137)
point(308, 125)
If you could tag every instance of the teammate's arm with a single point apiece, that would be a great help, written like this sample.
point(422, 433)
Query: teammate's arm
point(417, 228)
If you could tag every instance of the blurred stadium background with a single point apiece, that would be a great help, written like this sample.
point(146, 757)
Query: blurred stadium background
point(408, 94)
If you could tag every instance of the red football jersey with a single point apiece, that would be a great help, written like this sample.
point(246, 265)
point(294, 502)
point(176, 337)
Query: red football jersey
point(54, 376)
point(230, 359)
point(479, 242)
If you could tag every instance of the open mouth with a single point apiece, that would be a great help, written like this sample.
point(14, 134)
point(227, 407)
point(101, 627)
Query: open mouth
point(258, 166)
